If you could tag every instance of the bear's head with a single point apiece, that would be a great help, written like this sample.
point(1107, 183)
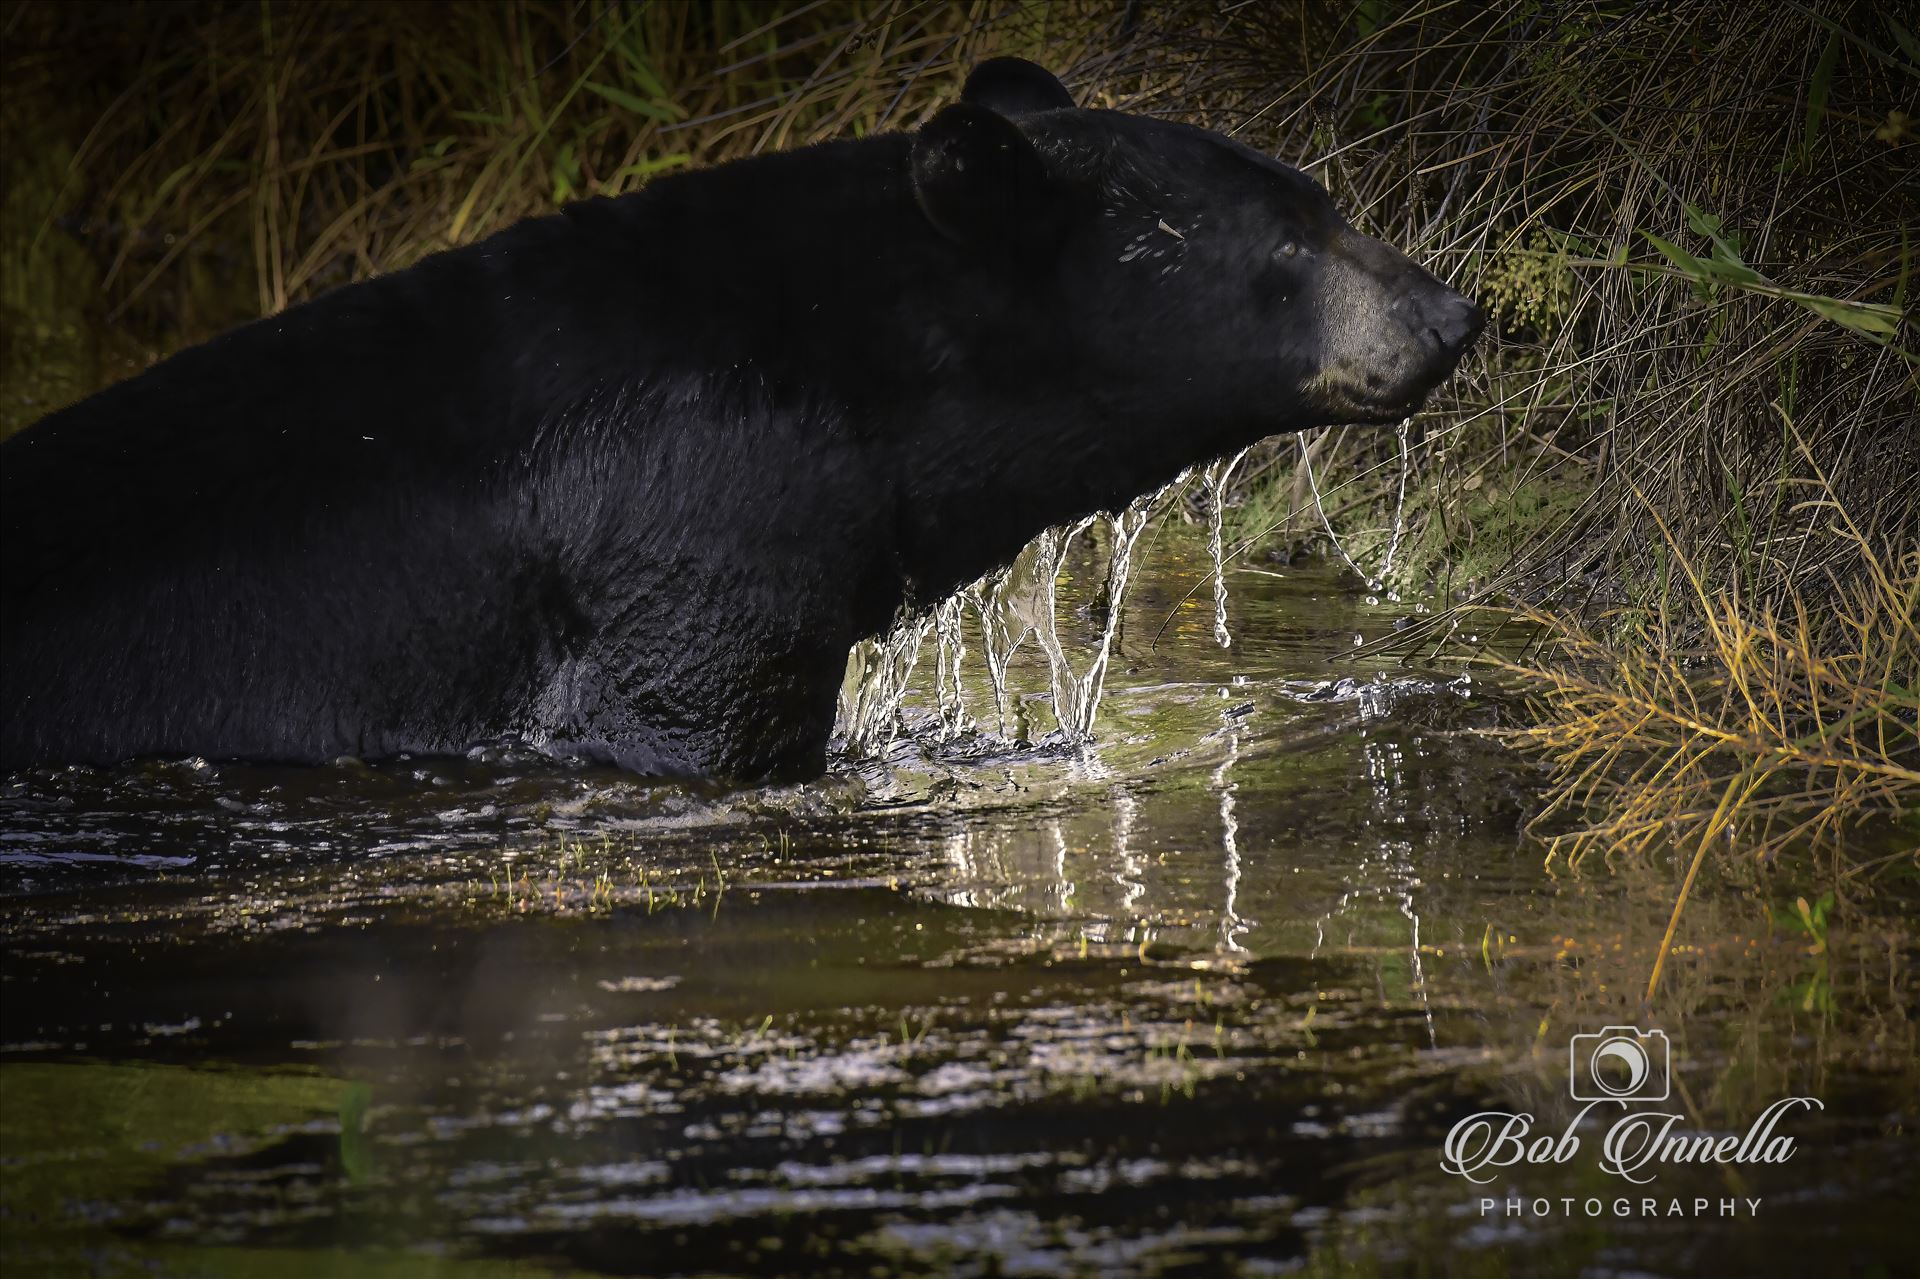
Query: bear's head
point(1174, 295)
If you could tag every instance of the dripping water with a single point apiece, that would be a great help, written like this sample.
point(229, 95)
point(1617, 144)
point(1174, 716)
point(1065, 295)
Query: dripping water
point(997, 642)
point(879, 671)
point(1049, 553)
point(1375, 584)
point(1218, 475)
point(1076, 698)
point(951, 649)
point(1399, 503)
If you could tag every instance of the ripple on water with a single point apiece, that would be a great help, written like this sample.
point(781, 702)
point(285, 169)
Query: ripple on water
point(1202, 996)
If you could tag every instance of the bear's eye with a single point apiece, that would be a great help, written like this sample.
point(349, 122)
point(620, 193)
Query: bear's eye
point(1286, 250)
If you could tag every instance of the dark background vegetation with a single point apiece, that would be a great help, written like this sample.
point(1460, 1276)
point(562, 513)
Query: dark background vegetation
point(1689, 445)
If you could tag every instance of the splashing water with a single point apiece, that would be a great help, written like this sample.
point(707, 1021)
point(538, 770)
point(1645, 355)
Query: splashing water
point(997, 641)
point(1069, 690)
point(878, 674)
point(880, 670)
point(1218, 474)
point(951, 648)
point(1077, 698)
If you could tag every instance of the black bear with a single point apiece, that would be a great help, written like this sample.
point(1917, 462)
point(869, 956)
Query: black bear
point(627, 482)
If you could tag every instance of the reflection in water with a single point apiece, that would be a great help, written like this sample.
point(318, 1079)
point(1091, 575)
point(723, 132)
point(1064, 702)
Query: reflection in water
point(1396, 855)
point(1129, 870)
point(982, 1009)
point(1218, 475)
point(1231, 925)
point(1063, 887)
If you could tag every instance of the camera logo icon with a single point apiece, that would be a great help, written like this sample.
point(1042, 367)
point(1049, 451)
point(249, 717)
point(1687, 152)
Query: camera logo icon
point(1620, 1063)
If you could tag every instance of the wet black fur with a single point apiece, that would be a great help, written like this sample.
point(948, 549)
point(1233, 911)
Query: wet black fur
point(627, 482)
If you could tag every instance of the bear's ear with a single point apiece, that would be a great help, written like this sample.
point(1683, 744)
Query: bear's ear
point(1014, 86)
point(979, 180)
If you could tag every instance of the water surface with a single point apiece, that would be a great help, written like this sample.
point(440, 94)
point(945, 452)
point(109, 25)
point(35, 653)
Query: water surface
point(1205, 998)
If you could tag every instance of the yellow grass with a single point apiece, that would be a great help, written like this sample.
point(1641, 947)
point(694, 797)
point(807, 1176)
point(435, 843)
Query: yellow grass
point(1757, 726)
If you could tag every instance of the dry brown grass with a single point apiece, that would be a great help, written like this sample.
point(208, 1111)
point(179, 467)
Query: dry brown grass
point(1781, 727)
point(1782, 731)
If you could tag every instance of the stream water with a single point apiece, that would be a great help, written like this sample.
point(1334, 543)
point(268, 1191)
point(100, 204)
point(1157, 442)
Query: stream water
point(1206, 993)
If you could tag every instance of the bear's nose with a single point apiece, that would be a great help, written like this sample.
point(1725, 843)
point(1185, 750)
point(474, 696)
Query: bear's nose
point(1453, 322)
